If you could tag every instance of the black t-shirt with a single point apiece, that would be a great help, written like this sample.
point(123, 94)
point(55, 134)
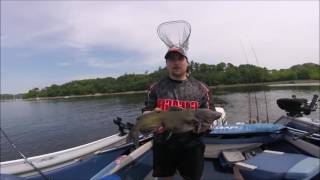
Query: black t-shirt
point(189, 93)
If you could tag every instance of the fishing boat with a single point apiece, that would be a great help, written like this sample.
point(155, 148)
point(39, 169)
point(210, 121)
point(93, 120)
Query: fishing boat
point(247, 151)
point(61, 159)
point(106, 150)
point(287, 149)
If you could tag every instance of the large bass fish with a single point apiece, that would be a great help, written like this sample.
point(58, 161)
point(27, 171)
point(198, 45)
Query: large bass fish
point(176, 120)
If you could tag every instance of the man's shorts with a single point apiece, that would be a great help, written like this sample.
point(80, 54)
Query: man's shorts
point(183, 152)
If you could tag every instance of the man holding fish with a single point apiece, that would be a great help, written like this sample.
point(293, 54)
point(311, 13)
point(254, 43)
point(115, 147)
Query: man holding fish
point(177, 108)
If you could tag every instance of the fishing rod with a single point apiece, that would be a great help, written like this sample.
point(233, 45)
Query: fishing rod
point(257, 108)
point(264, 92)
point(23, 156)
point(255, 97)
point(249, 94)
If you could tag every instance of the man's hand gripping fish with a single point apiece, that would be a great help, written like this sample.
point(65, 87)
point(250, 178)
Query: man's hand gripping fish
point(176, 120)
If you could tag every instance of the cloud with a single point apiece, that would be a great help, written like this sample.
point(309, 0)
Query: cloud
point(217, 27)
point(104, 63)
point(282, 33)
point(64, 64)
point(86, 76)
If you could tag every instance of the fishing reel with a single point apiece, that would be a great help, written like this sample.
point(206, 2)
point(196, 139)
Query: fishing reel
point(297, 107)
point(124, 128)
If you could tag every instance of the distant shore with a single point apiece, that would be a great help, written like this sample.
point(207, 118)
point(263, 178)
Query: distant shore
point(275, 83)
point(88, 95)
point(272, 84)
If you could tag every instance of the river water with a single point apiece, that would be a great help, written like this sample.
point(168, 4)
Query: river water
point(38, 127)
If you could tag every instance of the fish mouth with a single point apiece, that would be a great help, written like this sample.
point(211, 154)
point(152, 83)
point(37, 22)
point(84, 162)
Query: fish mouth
point(217, 115)
point(207, 114)
point(147, 131)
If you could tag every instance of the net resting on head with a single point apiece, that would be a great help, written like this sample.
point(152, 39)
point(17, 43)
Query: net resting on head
point(175, 34)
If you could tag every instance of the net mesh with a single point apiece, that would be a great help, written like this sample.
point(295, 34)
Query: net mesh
point(175, 34)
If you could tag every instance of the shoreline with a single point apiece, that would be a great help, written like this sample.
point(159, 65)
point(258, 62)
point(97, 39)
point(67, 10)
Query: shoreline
point(274, 84)
point(88, 95)
point(271, 84)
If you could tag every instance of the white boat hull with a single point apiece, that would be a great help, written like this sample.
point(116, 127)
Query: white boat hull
point(60, 158)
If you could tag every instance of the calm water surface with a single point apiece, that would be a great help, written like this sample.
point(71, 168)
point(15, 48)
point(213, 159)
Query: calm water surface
point(38, 127)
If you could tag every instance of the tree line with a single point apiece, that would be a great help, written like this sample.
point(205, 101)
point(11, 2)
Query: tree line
point(219, 74)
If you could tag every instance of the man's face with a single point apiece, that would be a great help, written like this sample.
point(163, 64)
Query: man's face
point(177, 65)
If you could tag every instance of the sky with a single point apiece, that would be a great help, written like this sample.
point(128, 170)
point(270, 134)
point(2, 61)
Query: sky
point(54, 42)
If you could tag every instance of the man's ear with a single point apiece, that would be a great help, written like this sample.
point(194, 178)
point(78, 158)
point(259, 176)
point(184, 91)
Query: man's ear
point(166, 62)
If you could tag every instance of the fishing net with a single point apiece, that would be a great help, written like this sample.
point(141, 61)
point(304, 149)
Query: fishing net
point(175, 34)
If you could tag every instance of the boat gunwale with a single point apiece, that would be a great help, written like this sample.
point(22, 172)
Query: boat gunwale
point(66, 156)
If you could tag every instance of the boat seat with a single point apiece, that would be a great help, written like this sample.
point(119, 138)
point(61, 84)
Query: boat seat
point(278, 165)
point(233, 156)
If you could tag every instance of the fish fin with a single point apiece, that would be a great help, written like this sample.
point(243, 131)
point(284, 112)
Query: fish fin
point(129, 138)
point(175, 108)
point(133, 137)
point(169, 136)
point(136, 141)
point(199, 127)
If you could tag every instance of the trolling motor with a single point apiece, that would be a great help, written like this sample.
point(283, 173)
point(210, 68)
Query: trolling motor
point(297, 107)
point(122, 126)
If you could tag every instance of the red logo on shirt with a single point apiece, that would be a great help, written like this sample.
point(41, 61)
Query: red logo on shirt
point(164, 104)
